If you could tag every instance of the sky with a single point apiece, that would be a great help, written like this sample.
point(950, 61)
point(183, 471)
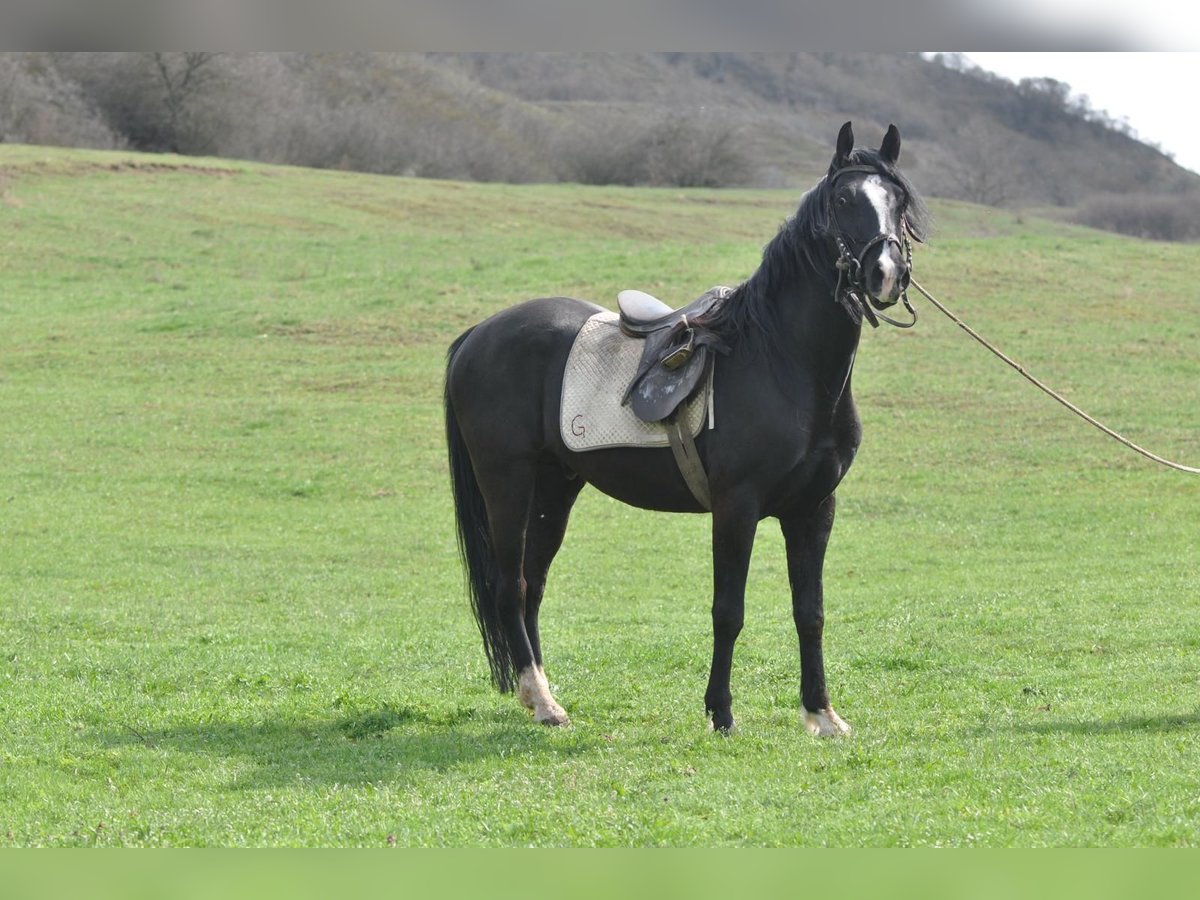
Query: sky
point(1150, 90)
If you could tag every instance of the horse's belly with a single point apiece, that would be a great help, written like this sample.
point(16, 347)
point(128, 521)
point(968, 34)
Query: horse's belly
point(645, 478)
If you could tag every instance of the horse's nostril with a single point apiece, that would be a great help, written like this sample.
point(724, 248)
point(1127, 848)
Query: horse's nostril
point(905, 278)
point(883, 272)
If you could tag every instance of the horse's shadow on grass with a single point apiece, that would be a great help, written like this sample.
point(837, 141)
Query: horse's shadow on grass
point(392, 745)
point(1127, 724)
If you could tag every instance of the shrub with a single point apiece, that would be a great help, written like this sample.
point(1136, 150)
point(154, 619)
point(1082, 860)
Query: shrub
point(646, 149)
point(40, 106)
point(1160, 217)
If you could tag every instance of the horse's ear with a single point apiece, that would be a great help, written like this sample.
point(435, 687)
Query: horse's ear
point(890, 149)
point(845, 144)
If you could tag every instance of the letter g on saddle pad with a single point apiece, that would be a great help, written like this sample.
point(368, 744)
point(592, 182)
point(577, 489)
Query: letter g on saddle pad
point(643, 378)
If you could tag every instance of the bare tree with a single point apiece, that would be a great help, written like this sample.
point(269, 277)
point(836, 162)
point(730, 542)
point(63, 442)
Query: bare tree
point(182, 77)
point(983, 170)
point(156, 101)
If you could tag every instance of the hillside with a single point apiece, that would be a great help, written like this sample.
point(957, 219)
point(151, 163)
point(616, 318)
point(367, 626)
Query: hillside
point(786, 106)
point(682, 119)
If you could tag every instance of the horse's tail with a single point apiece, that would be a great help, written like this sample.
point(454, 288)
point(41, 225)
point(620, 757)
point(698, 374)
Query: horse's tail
point(475, 542)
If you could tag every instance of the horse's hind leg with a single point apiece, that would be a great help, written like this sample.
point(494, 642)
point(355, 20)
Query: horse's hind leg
point(555, 492)
point(507, 486)
point(510, 491)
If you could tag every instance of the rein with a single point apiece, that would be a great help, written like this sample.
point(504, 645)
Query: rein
point(1047, 390)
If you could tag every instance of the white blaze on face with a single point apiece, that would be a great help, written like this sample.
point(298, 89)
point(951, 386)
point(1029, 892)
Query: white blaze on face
point(875, 191)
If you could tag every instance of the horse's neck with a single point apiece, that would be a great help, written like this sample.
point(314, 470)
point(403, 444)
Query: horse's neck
point(820, 336)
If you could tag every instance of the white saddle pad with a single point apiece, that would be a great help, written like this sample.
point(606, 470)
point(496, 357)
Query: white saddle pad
point(600, 366)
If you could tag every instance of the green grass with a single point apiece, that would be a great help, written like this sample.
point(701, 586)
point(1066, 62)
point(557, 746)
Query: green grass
point(232, 611)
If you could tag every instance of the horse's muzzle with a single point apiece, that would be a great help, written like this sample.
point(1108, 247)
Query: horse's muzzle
point(887, 274)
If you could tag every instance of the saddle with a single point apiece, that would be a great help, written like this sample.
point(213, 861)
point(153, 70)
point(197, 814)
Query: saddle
point(675, 360)
point(675, 356)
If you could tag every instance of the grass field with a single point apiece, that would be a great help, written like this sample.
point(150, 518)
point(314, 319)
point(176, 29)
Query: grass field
point(233, 614)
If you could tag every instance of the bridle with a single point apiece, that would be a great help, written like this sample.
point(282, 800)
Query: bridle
point(851, 290)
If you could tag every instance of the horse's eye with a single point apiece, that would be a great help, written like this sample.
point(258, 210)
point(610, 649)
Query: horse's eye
point(842, 201)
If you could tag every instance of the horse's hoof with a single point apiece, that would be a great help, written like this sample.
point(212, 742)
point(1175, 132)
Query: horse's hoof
point(534, 693)
point(825, 723)
point(721, 724)
point(554, 717)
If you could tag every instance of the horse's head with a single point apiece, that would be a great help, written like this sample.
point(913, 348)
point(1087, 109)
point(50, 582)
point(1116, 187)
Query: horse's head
point(868, 219)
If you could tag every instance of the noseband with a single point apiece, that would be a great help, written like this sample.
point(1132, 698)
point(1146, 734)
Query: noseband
point(851, 291)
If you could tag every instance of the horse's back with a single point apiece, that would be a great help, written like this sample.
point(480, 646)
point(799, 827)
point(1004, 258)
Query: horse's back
point(535, 324)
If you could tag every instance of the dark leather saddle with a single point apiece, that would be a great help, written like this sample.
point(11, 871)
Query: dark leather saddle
point(675, 358)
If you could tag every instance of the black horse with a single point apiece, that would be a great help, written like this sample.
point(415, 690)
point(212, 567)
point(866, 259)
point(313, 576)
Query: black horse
point(786, 435)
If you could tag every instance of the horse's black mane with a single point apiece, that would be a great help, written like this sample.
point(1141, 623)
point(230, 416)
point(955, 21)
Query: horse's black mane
point(802, 250)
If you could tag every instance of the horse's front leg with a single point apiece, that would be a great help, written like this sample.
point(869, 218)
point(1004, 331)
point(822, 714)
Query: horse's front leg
point(734, 525)
point(807, 536)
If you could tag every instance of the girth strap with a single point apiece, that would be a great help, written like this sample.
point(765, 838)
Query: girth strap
point(687, 458)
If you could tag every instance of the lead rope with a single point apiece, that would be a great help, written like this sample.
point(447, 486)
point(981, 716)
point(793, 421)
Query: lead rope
point(1061, 399)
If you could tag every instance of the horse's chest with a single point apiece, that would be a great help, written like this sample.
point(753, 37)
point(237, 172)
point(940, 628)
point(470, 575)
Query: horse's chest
point(818, 468)
point(824, 468)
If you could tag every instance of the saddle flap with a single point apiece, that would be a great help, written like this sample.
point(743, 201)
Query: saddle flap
point(661, 391)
